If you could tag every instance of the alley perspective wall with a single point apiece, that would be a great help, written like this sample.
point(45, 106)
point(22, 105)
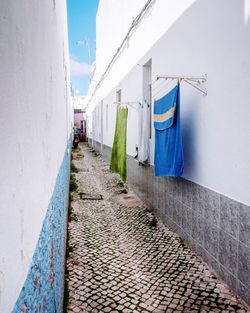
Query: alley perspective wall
point(35, 126)
point(209, 205)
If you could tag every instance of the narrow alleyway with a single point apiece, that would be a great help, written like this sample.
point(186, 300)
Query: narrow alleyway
point(121, 258)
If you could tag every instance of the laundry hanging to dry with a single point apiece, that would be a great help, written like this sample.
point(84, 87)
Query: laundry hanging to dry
point(168, 158)
point(118, 162)
point(144, 132)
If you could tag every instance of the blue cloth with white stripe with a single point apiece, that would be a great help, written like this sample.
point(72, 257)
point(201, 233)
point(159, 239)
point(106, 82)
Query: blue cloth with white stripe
point(168, 160)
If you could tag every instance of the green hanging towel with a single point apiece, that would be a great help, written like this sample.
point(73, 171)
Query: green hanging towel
point(118, 162)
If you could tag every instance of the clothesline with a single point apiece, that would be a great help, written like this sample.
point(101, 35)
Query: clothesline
point(156, 91)
point(128, 103)
point(194, 81)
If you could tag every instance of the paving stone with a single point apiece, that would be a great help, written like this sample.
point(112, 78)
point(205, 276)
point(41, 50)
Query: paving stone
point(120, 263)
point(107, 309)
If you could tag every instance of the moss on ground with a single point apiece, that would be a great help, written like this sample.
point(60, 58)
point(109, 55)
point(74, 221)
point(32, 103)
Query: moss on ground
point(73, 183)
point(120, 183)
point(66, 295)
point(73, 168)
point(71, 217)
point(121, 191)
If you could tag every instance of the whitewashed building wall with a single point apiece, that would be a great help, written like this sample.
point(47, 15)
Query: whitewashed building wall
point(35, 127)
point(190, 38)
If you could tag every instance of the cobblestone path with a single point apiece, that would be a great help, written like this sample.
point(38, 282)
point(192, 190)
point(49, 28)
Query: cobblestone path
point(122, 259)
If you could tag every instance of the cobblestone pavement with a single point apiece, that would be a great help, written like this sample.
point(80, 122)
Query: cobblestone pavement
point(122, 259)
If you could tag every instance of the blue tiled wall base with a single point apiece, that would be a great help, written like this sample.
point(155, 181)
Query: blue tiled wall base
point(43, 288)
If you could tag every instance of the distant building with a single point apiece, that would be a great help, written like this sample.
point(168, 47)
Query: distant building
point(79, 112)
point(78, 102)
point(209, 207)
point(80, 119)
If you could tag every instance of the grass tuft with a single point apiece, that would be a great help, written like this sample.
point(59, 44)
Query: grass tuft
point(73, 168)
point(73, 183)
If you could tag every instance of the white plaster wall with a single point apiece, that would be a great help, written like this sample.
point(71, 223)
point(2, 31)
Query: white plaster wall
point(205, 36)
point(109, 123)
point(35, 123)
point(113, 19)
point(118, 24)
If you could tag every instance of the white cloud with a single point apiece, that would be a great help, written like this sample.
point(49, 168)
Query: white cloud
point(79, 69)
point(77, 91)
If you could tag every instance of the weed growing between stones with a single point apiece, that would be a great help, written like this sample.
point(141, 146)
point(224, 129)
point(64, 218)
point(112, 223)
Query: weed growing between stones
point(95, 154)
point(120, 191)
point(79, 156)
point(73, 168)
point(71, 215)
point(66, 293)
point(66, 273)
point(120, 183)
point(120, 188)
point(73, 183)
point(148, 210)
point(76, 149)
point(69, 249)
point(153, 222)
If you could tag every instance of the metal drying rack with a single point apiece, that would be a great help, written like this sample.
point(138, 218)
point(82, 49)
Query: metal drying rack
point(195, 81)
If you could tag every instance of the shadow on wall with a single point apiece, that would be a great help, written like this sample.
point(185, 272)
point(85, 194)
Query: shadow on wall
point(189, 134)
point(217, 41)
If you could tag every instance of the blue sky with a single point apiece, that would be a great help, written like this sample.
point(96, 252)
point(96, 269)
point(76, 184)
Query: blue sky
point(81, 28)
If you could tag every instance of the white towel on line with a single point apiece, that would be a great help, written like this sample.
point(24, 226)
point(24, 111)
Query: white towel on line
point(144, 132)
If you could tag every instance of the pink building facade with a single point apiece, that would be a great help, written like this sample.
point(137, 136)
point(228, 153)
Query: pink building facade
point(80, 119)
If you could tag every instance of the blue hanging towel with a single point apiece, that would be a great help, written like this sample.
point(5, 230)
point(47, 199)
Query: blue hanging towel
point(168, 158)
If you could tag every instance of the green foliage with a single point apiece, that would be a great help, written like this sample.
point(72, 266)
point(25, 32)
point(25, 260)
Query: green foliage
point(122, 190)
point(73, 183)
point(71, 215)
point(73, 168)
point(120, 183)
point(153, 222)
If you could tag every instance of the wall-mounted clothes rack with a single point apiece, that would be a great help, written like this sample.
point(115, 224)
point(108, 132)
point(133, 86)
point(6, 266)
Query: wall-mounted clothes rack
point(128, 103)
point(194, 81)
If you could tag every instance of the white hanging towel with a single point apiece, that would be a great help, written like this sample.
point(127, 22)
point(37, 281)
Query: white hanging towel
point(144, 132)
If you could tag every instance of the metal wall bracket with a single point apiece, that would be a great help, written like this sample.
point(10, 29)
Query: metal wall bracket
point(195, 81)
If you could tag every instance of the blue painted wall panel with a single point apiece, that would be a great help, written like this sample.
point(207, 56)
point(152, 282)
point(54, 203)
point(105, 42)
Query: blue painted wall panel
point(43, 288)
